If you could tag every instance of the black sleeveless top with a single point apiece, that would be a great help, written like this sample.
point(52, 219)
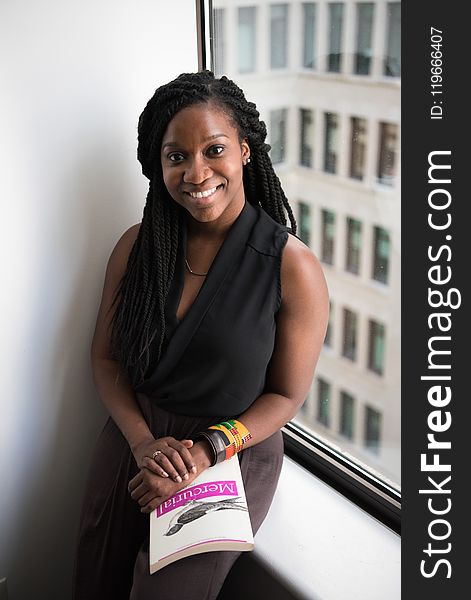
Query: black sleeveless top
point(214, 361)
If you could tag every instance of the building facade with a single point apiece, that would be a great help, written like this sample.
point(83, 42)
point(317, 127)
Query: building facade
point(326, 79)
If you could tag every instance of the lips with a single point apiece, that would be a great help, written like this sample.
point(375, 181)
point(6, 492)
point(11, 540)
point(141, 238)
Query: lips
point(204, 193)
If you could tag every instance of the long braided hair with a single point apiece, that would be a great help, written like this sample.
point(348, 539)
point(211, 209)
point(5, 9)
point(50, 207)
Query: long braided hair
point(138, 323)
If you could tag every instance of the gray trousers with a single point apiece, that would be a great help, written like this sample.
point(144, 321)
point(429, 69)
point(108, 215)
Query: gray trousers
point(112, 559)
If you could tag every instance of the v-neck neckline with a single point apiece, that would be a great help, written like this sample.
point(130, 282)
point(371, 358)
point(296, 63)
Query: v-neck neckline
point(181, 265)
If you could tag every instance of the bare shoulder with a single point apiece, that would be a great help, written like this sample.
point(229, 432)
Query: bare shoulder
point(302, 277)
point(120, 254)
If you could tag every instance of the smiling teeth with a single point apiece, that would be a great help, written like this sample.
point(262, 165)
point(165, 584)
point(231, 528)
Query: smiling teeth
point(204, 194)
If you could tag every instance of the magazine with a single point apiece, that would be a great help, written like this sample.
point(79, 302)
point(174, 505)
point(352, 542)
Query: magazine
point(210, 514)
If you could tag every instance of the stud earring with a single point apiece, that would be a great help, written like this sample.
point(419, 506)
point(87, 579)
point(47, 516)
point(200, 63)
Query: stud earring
point(247, 161)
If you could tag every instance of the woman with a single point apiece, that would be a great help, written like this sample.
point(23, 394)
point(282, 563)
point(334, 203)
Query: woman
point(210, 311)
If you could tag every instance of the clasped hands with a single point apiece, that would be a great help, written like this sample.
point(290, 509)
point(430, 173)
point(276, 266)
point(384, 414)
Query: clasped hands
point(172, 468)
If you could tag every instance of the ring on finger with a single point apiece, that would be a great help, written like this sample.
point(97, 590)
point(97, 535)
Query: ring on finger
point(156, 453)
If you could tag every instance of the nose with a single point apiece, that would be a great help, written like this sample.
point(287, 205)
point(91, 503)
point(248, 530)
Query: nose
point(197, 170)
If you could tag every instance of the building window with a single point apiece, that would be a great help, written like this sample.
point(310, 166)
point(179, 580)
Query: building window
point(328, 231)
point(246, 39)
point(392, 60)
point(376, 347)
point(219, 39)
point(381, 255)
point(304, 222)
point(372, 429)
point(358, 148)
point(387, 153)
point(352, 262)
point(364, 50)
point(323, 398)
point(309, 38)
point(305, 157)
point(328, 333)
point(330, 142)
point(334, 58)
point(346, 415)
point(278, 36)
point(349, 346)
point(278, 134)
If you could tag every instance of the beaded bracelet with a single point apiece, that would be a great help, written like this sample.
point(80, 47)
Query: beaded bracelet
point(226, 439)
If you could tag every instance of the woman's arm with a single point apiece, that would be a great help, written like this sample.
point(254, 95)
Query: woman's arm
point(300, 331)
point(115, 390)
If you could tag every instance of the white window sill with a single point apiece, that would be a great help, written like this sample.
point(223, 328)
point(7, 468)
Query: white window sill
point(320, 544)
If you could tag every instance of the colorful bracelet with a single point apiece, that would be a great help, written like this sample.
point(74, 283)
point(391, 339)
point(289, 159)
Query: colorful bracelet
point(226, 439)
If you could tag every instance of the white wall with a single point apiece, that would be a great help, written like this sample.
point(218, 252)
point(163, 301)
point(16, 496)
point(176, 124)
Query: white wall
point(77, 74)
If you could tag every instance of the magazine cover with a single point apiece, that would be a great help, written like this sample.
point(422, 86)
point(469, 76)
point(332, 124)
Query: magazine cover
point(208, 515)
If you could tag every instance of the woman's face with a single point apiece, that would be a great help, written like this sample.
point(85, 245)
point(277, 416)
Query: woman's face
point(202, 162)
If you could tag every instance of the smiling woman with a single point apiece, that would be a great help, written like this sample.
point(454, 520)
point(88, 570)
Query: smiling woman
point(212, 310)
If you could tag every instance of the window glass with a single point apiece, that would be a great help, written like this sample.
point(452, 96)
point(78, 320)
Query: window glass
point(328, 233)
point(364, 36)
point(372, 438)
point(246, 40)
point(352, 263)
point(387, 153)
point(392, 61)
point(304, 222)
point(278, 135)
point(328, 333)
point(376, 347)
point(358, 148)
point(381, 250)
point(309, 37)
point(323, 398)
point(306, 137)
point(349, 345)
point(347, 403)
point(325, 77)
point(334, 58)
point(278, 36)
point(331, 142)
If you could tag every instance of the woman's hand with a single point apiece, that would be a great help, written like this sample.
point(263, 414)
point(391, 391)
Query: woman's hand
point(150, 489)
point(173, 459)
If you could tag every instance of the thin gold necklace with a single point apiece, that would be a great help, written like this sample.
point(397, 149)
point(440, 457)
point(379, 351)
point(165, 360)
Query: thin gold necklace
point(194, 272)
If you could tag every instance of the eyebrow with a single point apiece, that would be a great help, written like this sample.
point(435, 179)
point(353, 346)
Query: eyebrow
point(208, 139)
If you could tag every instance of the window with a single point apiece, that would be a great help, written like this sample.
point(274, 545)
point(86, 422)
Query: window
point(246, 39)
point(309, 37)
point(278, 36)
point(334, 58)
point(323, 398)
point(392, 60)
point(364, 51)
point(372, 429)
point(376, 348)
point(328, 232)
point(381, 255)
point(357, 148)
point(387, 153)
point(304, 222)
point(349, 346)
point(346, 415)
point(352, 262)
point(341, 124)
point(330, 142)
point(328, 333)
point(278, 134)
point(219, 38)
point(305, 157)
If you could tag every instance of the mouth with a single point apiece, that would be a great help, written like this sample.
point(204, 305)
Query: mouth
point(205, 193)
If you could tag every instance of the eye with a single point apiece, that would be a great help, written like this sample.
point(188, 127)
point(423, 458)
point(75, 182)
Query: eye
point(215, 150)
point(175, 157)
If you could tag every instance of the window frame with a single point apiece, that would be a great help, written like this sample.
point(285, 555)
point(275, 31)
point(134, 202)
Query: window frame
point(362, 487)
